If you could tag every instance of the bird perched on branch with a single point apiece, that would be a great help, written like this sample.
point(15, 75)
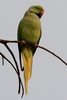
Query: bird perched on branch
point(29, 30)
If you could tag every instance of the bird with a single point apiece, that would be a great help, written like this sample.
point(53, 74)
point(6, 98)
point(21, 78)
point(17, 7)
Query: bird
point(29, 30)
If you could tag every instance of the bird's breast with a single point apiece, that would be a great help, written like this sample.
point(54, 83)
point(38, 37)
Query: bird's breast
point(31, 28)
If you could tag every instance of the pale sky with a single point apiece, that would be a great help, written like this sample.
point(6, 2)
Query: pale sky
point(49, 77)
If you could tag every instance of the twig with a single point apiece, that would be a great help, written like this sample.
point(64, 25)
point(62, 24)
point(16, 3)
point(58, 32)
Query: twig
point(8, 61)
point(34, 45)
point(20, 81)
point(2, 61)
point(17, 69)
point(18, 72)
point(53, 54)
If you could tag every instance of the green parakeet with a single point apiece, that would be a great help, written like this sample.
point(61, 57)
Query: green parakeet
point(29, 29)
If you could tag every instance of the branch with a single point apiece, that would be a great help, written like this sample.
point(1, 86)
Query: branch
point(4, 42)
point(18, 72)
point(53, 54)
point(3, 57)
point(34, 45)
point(16, 69)
point(20, 81)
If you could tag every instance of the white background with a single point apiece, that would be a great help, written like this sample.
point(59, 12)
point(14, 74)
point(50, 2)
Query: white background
point(49, 78)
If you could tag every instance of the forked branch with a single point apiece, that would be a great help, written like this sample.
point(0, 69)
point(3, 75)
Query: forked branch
point(16, 69)
point(34, 45)
point(4, 42)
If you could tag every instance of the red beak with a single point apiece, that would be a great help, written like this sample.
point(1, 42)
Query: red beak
point(41, 13)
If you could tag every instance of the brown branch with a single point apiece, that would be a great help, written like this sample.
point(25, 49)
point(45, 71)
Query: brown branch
point(20, 81)
point(34, 45)
point(53, 54)
point(2, 60)
point(3, 57)
point(4, 42)
point(16, 70)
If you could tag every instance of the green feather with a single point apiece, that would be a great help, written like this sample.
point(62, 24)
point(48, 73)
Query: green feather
point(36, 9)
point(29, 29)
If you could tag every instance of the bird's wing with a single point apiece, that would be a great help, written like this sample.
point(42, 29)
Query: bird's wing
point(37, 42)
point(19, 45)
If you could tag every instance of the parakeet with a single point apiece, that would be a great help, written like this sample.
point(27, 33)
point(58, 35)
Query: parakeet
point(29, 29)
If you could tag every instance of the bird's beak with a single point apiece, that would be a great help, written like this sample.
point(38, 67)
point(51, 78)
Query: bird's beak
point(41, 13)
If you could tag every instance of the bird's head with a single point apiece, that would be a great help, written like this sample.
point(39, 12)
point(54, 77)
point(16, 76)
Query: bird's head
point(38, 10)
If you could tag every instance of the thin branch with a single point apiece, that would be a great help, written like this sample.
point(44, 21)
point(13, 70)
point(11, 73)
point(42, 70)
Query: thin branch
point(18, 72)
point(15, 71)
point(8, 61)
point(12, 56)
point(34, 45)
point(53, 54)
point(2, 61)
point(4, 42)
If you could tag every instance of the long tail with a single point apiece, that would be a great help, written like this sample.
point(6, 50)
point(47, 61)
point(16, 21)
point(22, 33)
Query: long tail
point(27, 61)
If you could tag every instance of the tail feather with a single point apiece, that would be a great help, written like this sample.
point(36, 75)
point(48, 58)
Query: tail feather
point(25, 74)
point(29, 67)
point(27, 61)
